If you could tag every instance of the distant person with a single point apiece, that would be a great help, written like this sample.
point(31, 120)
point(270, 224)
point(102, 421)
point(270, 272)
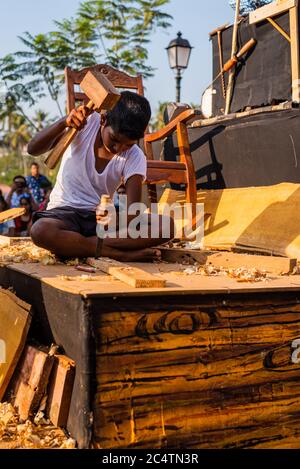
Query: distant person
point(24, 222)
point(7, 228)
point(35, 182)
point(18, 189)
point(46, 186)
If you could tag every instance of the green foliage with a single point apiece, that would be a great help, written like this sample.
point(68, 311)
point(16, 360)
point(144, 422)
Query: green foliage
point(116, 32)
point(249, 5)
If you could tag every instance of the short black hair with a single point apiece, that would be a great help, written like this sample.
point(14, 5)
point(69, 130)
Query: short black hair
point(35, 164)
point(20, 177)
point(130, 116)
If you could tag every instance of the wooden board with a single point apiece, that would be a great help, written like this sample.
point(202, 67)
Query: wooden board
point(128, 274)
point(177, 282)
point(30, 380)
point(273, 9)
point(60, 390)
point(15, 317)
point(275, 265)
point(264, 218)
point(211, 377)
point(11, 214)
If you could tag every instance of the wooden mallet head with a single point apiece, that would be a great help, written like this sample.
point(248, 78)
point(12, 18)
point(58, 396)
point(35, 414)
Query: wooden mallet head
point(100, 91)
point(102, 95)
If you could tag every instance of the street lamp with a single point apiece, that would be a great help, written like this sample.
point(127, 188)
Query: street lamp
point(179, 51)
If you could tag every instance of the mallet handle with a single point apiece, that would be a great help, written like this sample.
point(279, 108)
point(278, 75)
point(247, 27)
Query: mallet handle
point(63, 143)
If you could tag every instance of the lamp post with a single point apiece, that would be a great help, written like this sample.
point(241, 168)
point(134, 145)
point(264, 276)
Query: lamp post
point(179, 51)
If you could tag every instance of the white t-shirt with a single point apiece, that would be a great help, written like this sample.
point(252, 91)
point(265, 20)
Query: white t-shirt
point(78, 183)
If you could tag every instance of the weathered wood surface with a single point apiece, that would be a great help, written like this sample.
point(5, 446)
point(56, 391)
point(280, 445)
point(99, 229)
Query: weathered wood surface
point(68, 279)
point(207, 377)
point(30, 380)
point(15, 318)
point(60, 389)
point(275, 265)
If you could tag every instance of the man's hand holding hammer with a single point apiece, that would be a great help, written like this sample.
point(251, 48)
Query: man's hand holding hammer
point(46, 139)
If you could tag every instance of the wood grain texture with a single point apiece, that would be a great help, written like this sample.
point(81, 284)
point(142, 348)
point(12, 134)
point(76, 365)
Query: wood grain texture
point(198, 377)
point(272, 264)
point(11, 214)
point(30, 380)
point(128, 274)
point(15, 318)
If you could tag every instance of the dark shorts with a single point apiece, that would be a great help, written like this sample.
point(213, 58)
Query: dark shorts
point(78, 220)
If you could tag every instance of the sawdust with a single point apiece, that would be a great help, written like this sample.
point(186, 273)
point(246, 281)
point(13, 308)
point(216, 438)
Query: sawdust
point(240, 274)
point(26, 252)
point(36, 434)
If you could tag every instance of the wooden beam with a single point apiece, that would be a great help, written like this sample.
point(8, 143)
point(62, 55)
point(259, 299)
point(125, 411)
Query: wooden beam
point(30, 380)
point(279, 29)
point(270, 10)
point(60, 390)
point(231, 260)
point(295, 57)
point(134, 277)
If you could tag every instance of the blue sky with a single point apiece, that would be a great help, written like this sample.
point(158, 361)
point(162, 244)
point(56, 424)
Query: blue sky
point(194, 18)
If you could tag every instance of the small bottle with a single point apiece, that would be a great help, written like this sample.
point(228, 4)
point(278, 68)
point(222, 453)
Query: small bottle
point(105, 215)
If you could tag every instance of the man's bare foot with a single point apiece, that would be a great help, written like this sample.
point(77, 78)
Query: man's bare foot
point(142, 255)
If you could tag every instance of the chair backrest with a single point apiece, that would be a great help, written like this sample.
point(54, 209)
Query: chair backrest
point(120, 80)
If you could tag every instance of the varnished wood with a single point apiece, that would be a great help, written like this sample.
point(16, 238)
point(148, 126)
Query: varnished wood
point(154, 175)
point(183, 117)
point(116, 77)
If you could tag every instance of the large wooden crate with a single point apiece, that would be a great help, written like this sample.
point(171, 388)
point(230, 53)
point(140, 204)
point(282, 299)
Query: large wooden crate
point(204, 363)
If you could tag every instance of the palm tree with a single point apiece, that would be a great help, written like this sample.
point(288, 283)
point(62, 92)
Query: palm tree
point(17, 136)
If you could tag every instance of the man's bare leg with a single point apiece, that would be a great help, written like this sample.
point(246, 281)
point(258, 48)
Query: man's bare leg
point(53, 234)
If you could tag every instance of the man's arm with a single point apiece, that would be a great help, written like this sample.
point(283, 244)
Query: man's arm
point(47, 138)
point(133, 191)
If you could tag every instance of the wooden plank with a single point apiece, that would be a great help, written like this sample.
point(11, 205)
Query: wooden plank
point(15, 317)
point(295, 54)
point(133, 276)
point(10, 214)
point(30, 380)
point(239, 115)
point(276, 265)
point(272, 9)
point(177, 282)
point(60, 390)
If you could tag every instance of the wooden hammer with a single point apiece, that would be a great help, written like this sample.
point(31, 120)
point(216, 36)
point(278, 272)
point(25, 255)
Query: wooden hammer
point(102, 95)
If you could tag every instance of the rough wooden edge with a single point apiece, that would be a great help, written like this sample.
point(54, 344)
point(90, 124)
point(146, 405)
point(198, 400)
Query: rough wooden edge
point(238, 115)
point(272, 264)
point(273, 9)
point(132, 276)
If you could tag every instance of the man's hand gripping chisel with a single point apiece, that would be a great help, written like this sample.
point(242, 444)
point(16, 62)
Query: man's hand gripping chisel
point(104, 216)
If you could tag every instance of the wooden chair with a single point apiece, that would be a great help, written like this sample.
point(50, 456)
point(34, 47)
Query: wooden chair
point(181, 172)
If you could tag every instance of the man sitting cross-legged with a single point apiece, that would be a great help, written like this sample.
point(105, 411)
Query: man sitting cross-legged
point(103, 154)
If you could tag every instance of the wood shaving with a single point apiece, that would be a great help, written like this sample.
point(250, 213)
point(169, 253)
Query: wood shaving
point(26, 252)
point(37, 434)
point(240, 274)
